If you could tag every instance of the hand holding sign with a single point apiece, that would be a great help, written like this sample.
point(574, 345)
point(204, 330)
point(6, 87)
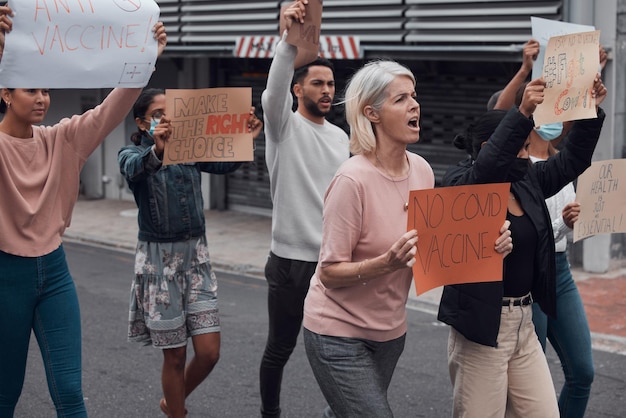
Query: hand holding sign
point(209, 125)
point(302, 20)
point(533, 96)
point(5, 25)
point(457, 227)
point(569, 69)
point(601, 199)
point(90, 45)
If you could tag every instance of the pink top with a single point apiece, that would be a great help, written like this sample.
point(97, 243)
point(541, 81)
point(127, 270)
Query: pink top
point(363, 216)
point(39, 176)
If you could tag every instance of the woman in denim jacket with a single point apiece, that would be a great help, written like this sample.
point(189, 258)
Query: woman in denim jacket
point(174, 291)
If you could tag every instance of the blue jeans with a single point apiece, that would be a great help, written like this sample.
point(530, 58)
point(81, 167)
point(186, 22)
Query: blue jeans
point(353, 374)
point(38, 294)
point(569, 335)
point(288, 283)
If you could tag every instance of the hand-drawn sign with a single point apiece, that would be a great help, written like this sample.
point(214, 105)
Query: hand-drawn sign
point(128, 5)
point(602, 200)
point(80, 44)
point(209, 125)
point(570, 66)
point(457, 229)
point(544, 29)
point(305, 35)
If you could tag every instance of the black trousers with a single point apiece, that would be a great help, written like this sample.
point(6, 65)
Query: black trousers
point(288, 283)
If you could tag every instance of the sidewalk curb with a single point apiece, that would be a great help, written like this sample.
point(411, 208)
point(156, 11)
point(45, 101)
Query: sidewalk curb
point(602, 342)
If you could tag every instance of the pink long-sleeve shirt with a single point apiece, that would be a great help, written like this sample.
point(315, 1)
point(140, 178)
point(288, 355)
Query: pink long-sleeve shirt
point(40, 176)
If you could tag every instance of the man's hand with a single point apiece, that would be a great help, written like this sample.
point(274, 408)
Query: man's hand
point(295, 12)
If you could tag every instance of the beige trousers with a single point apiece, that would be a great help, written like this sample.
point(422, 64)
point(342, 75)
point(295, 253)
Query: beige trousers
point(512, 380)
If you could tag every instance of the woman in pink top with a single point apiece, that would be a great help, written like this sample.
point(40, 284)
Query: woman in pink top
point(354, 314)
point(39, 179)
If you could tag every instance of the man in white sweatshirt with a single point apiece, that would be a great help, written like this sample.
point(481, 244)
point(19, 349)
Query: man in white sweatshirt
point(303, 151)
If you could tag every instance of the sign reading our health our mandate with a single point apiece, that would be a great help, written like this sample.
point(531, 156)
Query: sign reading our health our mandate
point(601, 192)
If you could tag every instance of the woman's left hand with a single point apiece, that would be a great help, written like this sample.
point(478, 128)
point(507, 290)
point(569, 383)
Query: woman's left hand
point(570, 214)
point(255, 125)
point(6, 24)
point(160, 36)
point(599, 90)
point(504, 243)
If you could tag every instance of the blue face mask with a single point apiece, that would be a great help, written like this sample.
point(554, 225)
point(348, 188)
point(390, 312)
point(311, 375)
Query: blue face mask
point(550, 131)
point(153, 124)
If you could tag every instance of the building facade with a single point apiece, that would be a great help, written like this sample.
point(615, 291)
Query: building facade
point(460, 51)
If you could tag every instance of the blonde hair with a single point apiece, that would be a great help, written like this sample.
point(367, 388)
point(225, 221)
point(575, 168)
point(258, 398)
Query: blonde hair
point(368, 87)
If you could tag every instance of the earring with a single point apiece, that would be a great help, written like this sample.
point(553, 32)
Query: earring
point(8, 104)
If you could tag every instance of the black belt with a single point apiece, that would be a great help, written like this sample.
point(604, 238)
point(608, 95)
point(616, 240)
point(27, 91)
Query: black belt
point(523, 301)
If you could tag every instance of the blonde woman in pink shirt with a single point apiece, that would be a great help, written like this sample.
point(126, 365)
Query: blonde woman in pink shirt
point(39, 179)
point(354, 313)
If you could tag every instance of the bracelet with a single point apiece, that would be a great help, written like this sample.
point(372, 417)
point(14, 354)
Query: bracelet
point(358, 271)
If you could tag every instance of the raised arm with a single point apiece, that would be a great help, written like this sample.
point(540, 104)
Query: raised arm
point(277, 100)
point(529, 55)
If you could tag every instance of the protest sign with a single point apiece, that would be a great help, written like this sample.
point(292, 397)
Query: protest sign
point(305, 36)
point(544, 29)
point(602, 199)
point(457, 229)
point(570, 66)
point(80, 44)
point(209, 125)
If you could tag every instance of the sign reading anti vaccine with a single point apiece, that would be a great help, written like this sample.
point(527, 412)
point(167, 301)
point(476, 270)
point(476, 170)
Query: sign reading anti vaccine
point(80, 44)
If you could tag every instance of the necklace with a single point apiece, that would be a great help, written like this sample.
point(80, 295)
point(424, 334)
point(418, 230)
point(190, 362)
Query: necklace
point(406, 204)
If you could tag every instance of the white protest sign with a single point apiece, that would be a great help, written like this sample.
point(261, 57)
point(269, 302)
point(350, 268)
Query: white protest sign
point(569, 69)
point(602, 199)
point(80, 44)
point(544, 29)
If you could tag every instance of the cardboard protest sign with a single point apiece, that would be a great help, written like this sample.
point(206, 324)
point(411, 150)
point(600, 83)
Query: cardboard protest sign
point(457, 228)
point(209, 125)
point(602, 199)
point(544, 29)
point(305, 36)
point(570, 66)
point(80, 44)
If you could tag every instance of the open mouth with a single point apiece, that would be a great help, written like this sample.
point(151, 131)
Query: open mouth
point(413, 123)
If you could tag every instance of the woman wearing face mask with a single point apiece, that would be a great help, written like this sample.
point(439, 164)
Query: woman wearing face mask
point(497, 366)
point(174, 290)
point(569, 332)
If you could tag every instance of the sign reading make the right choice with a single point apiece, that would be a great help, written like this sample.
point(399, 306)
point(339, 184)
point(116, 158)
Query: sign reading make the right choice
point(209, 125)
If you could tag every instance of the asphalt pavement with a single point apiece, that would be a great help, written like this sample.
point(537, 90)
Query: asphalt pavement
point(122, 379)
point(239, 242)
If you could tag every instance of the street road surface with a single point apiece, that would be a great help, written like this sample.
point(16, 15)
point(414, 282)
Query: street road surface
point(122, 379)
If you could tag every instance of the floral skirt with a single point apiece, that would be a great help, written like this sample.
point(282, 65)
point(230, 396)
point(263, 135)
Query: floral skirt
point(174, 293)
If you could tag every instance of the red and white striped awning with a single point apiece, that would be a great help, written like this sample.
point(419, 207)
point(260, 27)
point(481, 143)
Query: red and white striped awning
point(331, 47)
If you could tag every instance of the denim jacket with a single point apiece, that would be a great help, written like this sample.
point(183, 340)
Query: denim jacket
point(169, 197)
